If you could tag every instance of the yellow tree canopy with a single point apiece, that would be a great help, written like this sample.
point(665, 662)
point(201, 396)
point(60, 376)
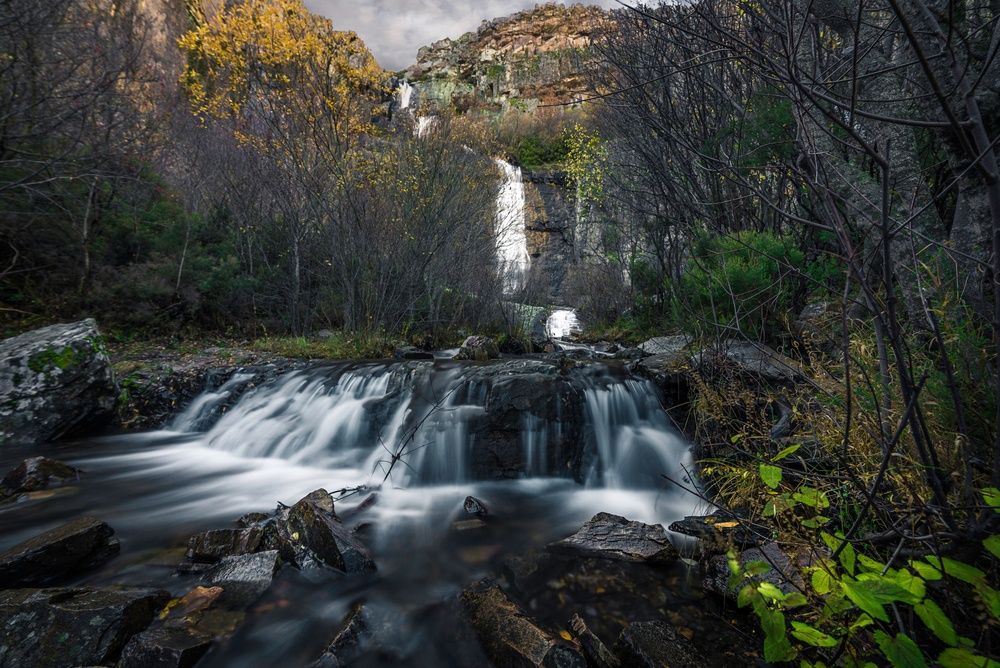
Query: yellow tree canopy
point(275, 68)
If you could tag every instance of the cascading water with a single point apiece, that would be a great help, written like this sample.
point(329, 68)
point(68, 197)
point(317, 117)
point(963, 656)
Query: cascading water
point(561, 323)
point(542, 445)
point(512, 245)
point(405, 93)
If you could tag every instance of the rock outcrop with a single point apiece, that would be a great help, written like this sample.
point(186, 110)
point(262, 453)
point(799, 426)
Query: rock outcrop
point(513, 63)
point(74, 546)
point(55, 382)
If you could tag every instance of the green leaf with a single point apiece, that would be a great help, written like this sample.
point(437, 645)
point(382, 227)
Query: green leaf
point(960, 658)
point(847, 558)
point(931, 614)
point(991, 495)
point(957, 569)
point(811, 636)
point(772, 621)
point(777, 650)
point(901, 651)
point(757, 568)
point(815, 522)
point(812, 497)
point(863, 598)
point(769, 509)
point(926, 571)
point(768, 590)
point(870, 564)
point(885, 589)
point(771, 475)
point(794, 600)
point(745, 596)
point(822, 582)
point(911, 583)
point(787, 451)
point(993, 545)
point(990, 598)
point(861, 622)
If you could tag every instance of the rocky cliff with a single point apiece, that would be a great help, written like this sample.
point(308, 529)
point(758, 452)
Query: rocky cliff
point(533, 57)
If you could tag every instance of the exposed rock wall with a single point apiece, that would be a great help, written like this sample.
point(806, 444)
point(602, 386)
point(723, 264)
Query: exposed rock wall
point(517, 62)
point(550, 221)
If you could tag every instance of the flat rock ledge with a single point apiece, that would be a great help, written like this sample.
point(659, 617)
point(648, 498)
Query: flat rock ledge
point(608, 536)
point(71, 547)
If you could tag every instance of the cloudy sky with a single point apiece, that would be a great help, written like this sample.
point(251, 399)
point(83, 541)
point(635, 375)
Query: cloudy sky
point(395, 29)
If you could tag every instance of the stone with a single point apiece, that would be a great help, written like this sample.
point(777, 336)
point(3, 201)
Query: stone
point(609, 536)
point(412, 353)
point(243, 578)
point(34, 474)
point(751, 358)
point(479, 348)
point(71, 547)
point(721, 530)
point(164, 648)
point(82, 626)
point(783, 574)
point(654, 644)
point(598, 656)
point(310, 525)
point(474, 506)
point(55, 381)
point(665, 345)
point(666, 371)
point(508, 636)
point(369, 628)
point(210, 546)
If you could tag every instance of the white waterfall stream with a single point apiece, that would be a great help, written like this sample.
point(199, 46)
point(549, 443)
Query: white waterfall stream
point(512, 244)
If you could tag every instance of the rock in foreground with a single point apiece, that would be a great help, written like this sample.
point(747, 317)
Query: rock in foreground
point(74, 546)
point(508, 636)
point(82, 626)
point(608, 536)
point(55, 381)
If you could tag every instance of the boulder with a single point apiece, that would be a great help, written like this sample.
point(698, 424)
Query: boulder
point(665, 345)
point(608, 536)
point(211, 546)
point(243, 578)
point(721, 530)
point(369, 628)
point(55, 382)
point(164, 648)
point(34, 474)
point(312, 526)
point(83, 626)
point(783, 574)
point(750, 358)
point(666, 371)
point(508, 636)
point(74, 546)
point(655, 644)
point(478, 348)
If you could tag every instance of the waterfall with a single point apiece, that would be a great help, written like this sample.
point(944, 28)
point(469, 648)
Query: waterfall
point(512, 246)
point(405, 94)
point(561, 323)
point(446, 423)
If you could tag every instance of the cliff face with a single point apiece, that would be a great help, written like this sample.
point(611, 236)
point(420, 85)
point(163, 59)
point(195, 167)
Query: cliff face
point(533, 57)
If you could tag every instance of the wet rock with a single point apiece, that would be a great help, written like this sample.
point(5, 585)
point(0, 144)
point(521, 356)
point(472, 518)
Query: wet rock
point(34, 474)
point(210, 546)
point(666, 371)
point(72, 547)
point(164, 648)
point(83, 626)
point(655, 644)
point(665, 345)
point(751, 358)
point(783, 574)
point(369, 629)
point(508, 636)
point(721, 530)
point(243, 578)
point(54, 382)
point(613, 537)
point(474, 506)
point(412, 353)
point(598, 656)
point(311, 525)
point(478, 348)
point(630, 354)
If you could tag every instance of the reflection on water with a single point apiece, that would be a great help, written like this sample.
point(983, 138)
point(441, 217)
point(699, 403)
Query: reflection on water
point(315, 430)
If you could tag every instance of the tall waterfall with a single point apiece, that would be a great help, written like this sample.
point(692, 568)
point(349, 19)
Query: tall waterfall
point(512, 244)
point(405, 94)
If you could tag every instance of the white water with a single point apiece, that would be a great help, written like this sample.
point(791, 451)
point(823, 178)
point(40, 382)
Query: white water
point(512, 243)
point(561, 323)
point(405, 93)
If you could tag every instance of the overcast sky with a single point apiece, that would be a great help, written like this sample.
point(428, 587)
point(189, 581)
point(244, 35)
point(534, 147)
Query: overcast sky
point(395, 29)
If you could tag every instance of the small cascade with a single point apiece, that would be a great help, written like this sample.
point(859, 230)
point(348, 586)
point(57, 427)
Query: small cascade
point(446, 423)
point(404, 95)
point(512, 244)
point(561, 323)
point(423, 125)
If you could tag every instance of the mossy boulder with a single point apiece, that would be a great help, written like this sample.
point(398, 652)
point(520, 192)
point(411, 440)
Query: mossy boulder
point(55, 382)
